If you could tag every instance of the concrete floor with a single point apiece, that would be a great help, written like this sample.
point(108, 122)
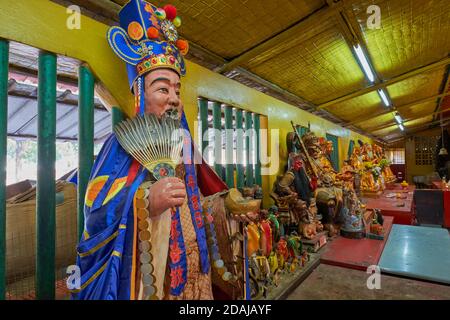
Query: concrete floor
point(330, 282)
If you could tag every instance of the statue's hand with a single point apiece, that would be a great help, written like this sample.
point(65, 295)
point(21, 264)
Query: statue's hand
point(164, 194)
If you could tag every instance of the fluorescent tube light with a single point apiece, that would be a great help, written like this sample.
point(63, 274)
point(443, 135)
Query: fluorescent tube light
point(384, 97)
point(401, 127)
point(398, 118)
point(364, 63)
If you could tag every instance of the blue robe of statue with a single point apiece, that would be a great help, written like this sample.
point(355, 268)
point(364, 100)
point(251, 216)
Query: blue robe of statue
point(105, 252)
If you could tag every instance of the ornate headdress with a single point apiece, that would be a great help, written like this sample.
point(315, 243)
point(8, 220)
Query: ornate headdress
point(147, 39)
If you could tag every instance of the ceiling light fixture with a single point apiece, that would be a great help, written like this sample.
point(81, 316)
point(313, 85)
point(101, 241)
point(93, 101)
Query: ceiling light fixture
point(398, 118)
point(364, 63)
point(384, 97)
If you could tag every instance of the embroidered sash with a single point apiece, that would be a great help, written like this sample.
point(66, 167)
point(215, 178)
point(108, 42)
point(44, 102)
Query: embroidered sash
point(177, 250)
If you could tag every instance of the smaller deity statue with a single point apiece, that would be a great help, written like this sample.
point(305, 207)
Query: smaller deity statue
point(369, 178)
point(356, 160)
point(314, 216)
point(324, 158)
point(347, 175)
point(352, 215)
point(282, 253)
point(306, 224)
point(284, 195)
point(329, 201)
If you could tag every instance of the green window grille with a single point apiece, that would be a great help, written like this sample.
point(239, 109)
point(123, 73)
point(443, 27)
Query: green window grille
point(235, 153)
point(334, 156)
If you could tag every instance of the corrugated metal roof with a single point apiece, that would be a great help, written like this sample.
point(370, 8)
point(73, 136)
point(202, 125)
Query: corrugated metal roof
point(22, 114)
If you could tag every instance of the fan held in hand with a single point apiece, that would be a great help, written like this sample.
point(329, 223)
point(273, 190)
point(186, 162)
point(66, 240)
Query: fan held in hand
point(154, 143)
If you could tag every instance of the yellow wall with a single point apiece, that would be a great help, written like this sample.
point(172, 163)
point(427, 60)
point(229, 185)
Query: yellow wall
point(42, 24)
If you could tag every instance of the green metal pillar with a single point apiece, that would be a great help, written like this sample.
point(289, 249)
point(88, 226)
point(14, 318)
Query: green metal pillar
point(257, 126)
point(117, 115)
point(85, 137)
point(229, 178)
point(45, 188)
point(249, 150)
point(217, 125)
point(4, 52)
point(239, 150)
point(203, 106)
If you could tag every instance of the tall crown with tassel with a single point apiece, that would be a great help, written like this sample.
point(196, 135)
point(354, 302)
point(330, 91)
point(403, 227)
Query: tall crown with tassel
point(147, 39)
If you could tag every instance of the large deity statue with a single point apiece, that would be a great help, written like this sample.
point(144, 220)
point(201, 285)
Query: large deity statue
point(146, 235)
point(312, 178)
point(371, 164)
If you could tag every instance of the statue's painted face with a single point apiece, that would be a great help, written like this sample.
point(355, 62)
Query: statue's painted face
point(162, 92)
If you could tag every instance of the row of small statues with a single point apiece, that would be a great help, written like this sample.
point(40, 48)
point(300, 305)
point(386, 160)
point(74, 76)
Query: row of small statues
point(274, 248)
point(314, 196)
point(310, 197)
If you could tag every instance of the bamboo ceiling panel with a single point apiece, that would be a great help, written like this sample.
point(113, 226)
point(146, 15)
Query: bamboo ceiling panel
point(418, 111)
point(230, 27)
point(414, 123)
point(413, 33)
point(416, 88)
point(384, 124)
point(392, 130)
point(319, 69)
point(366, 104)
point(408, 114)
point(410, 125)
point(376, 121)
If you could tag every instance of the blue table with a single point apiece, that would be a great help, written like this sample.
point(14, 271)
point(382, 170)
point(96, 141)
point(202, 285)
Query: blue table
point(417, 252)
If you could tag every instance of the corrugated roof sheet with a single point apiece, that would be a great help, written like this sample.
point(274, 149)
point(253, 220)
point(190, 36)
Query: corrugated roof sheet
point(22, 114)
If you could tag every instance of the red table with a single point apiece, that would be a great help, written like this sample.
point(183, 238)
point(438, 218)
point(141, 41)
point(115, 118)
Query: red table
point(398, 187)
point(390, 206)
point(355, 253)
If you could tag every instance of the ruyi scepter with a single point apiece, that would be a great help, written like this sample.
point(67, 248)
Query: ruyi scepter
point(311, 164)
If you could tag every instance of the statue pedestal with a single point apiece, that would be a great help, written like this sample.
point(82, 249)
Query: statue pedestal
point(353, 234)
point(315, 243)
point(375, 236)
